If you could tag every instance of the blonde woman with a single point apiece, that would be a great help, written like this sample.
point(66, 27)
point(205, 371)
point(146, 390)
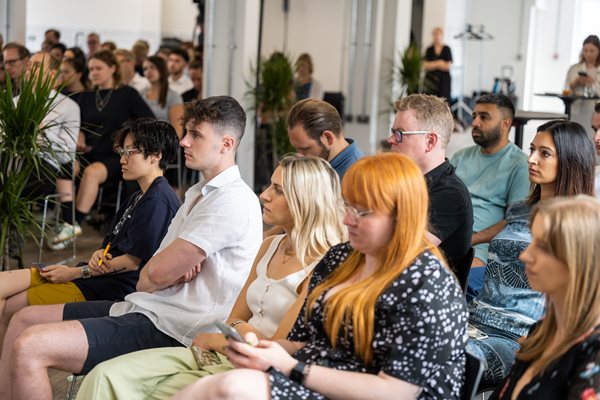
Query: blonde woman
point(304, 198)
point(560, 358)
point(385, 318)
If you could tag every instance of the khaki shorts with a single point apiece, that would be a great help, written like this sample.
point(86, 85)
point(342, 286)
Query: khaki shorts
point(42, 292)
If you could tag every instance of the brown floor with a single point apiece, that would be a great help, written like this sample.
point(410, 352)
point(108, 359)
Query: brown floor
point(88, 242)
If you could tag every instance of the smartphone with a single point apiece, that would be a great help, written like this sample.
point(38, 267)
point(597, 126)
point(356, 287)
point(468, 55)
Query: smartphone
point(229, 332)
point(475, 333)
point(582, 73)
point(39, 266)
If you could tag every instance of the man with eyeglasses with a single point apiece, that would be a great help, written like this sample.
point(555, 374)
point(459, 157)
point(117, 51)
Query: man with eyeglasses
point(15, 60)
point(421, 130)
point(495, 171)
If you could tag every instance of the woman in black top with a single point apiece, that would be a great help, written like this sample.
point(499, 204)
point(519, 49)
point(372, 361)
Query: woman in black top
point(438, 59)
point(103, 111)
point(560, 358)
point(384, 318)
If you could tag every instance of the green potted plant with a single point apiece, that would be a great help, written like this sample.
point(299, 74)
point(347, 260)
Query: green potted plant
point(274, 96)
point(22, 140)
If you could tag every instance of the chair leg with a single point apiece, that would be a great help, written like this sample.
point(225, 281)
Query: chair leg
point(44, 215)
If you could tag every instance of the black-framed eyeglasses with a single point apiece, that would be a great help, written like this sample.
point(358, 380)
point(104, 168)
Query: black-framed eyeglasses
point(12, 62)
point(397, 134)
point(355, 213)
point(125, 152)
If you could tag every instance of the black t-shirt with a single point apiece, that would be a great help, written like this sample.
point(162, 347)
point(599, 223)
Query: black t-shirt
point(98, 126)
point(139, 235)
point(451, 216)
point(440, 80)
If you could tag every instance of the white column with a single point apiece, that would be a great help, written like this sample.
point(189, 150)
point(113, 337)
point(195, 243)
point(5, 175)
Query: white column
point(233, 44)
point(12, 20)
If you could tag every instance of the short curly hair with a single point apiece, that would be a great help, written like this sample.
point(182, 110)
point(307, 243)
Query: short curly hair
point(152, 137)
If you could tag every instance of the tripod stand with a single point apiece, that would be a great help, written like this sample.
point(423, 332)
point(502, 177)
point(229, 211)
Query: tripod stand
point(469, 35)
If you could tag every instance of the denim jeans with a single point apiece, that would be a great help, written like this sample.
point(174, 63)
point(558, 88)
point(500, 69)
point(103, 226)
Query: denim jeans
point(498, 350)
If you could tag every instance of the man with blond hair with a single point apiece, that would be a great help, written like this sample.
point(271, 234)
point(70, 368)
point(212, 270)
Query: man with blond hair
point(421, 130)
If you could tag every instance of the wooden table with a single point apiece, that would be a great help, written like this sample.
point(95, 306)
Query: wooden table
point(522, 117)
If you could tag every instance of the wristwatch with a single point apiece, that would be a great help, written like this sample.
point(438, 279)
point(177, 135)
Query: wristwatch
point(299, 372)
point(85, 272)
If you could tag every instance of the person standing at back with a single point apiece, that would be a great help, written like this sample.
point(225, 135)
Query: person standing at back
point(495, 172)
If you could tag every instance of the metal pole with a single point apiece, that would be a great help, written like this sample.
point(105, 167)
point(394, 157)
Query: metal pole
point(363, 117)
point(209, 48)
point(352, 58)
point(232, 44)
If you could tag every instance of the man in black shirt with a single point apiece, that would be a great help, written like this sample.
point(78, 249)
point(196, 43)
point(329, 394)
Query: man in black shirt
point(421, 130)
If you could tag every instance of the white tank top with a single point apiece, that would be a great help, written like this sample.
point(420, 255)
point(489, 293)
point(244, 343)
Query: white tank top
point(270, 299)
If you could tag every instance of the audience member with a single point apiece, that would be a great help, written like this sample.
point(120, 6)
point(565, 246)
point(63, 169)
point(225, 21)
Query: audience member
point(560, 357)
point(93, 43)
point(1, 41)
point(383, 313)
point(75, 52)
point(52, 36)
point(146, 147)
point(163, 53)
point(561, 163)
point(438, 59)
point(179, 81)
point(421, 131)
point(140, 51)
point(305, 85)
point(57, 52)
point(315, 129)
point(108, 45)
point(192, 279)
point(494, 171)
point(195, 73)
point(58, 140)
point(188, 46)
point(103, 111)
point(15, 59)
point(305, 198)
point(72, 77)
point(129, 77)
point(596, 129)
point(165, 103)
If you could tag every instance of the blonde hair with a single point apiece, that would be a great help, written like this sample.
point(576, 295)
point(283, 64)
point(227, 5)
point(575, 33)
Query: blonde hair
point(312, 190)
point(392, 184)
point(572, 235)
point(431, 114)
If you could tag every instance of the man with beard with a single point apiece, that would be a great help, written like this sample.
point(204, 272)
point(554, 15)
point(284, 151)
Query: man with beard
point(315, 129)
point(495, 172)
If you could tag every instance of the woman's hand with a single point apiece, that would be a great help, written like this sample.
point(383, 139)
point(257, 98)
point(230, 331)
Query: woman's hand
point(259, 355)
point(211, 341)
point(94, 262)
point(59, 273)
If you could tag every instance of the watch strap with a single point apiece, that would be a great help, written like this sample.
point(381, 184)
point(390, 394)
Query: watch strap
point(85, 272)
point(299, 372)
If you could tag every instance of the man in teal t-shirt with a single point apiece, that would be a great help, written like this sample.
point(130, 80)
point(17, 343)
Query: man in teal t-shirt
point(494, 170)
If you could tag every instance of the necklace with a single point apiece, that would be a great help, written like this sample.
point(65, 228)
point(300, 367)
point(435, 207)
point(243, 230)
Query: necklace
point(102, 102)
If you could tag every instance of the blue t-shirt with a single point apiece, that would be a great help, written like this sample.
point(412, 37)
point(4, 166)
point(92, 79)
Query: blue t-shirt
point(346, 158)
point(495, 181)
point(506, 302)
point(139, 235)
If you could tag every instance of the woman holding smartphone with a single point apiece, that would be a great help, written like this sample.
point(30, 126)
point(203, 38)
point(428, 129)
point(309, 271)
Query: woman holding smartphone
point(145, 147)
point(304, 198)
point(385, 318)
point(560, 358)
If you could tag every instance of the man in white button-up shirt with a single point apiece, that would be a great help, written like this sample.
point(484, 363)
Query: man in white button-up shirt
point(193, 278)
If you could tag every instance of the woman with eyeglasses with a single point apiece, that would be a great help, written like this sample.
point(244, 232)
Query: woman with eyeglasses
point(561, 163)
point(384, 318)
point(560, 358)
point(145, 148)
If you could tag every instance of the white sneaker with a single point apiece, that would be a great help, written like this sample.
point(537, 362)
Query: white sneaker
point(66, 234)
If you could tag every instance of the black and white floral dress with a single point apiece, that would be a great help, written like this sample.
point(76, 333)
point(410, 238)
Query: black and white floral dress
point(419, 336)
